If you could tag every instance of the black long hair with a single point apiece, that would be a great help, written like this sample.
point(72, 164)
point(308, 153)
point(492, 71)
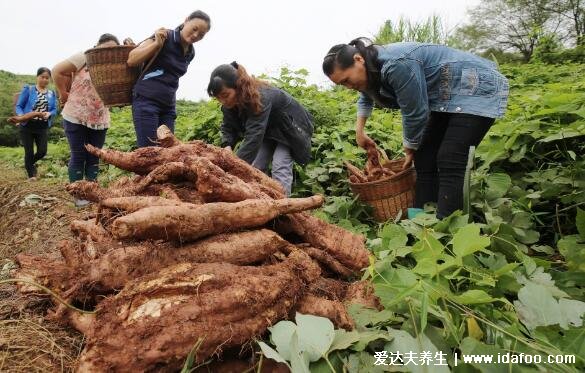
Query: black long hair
point(197, 14)
point(341, 55)
point(42, 70)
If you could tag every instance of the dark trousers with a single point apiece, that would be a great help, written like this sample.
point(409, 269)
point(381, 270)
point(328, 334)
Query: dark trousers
point(29, 136)
point(82, 163)
point(148, 115)
point(441, 159)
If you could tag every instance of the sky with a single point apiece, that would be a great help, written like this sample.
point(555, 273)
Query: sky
point(263, 36)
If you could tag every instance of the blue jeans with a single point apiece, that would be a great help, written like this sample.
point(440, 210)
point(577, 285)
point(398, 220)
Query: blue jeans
point(282, 162)
point(82, 163)
point(148, 115)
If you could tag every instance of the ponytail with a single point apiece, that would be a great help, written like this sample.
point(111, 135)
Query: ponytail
point(341, 55)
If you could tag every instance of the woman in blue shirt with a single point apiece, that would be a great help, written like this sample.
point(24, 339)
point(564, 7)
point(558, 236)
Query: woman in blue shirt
point(448, 99)
point(35, 110)
point(155, 92)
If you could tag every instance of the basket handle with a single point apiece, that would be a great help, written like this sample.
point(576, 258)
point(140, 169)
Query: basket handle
point(151, 59)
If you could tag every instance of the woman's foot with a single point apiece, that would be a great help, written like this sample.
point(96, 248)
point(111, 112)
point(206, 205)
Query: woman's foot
point(32, 178)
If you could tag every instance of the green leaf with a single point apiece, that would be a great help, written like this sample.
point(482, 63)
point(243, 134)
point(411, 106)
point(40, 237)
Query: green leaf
point(343, 339)
point(281, 335)
point(536, 306)
point(573, 251)
point(498, 185)
point(271, 354)
point(315, 335)
point(471, 346)
point(474, 297)
point(468, 240)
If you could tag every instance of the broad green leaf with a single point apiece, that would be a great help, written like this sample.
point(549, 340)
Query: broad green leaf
point(573, 251)
point(315, 335)
point(536, 306)
point(468, 240)
point(474, 297)
point(280, 335)
point(344, 339)
point(498, 185)
point(299, 359)
point(271, 354)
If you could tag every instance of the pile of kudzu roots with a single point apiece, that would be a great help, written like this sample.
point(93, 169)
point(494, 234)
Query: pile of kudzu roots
point(197, 246)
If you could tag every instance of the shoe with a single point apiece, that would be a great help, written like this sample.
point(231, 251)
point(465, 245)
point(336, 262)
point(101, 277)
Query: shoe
point(81, 202)
point(32, 178)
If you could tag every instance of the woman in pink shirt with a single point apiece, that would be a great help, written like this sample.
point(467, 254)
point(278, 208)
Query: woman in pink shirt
point(85, 118)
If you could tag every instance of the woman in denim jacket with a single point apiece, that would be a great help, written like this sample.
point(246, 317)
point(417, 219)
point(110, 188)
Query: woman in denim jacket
point(448, 99)
point(35, 110)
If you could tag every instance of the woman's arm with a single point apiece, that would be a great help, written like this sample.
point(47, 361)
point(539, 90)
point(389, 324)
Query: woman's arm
point(22, 101)
point(62, 75)
point(229, 133)
point(255, 128)
point(147, 49)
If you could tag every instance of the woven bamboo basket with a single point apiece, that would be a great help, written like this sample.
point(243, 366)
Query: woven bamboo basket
point(111, 76)
point(390, 196)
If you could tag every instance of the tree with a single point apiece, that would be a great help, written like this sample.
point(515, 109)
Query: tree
point(572, 12)
point(431, 30)
point(510, 25)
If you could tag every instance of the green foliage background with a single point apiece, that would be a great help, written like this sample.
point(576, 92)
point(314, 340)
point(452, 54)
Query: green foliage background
point(511, 281)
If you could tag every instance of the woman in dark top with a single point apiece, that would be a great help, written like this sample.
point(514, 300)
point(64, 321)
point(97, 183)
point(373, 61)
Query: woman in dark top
point(274, 126)
point(35, 110)
point(155, 92)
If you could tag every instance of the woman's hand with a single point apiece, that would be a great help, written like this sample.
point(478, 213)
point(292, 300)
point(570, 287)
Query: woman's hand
point(160, 36)
point(63, 97)
point(409, 156)
point(363, 140)
point(15, 119)
point(46, 115)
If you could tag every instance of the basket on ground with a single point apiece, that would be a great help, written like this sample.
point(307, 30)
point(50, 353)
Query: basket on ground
point(111, 76)
point(389, 196)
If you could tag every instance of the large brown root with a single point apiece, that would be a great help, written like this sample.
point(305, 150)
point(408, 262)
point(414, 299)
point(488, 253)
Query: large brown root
point(51, 273)
point(144, 160)
point(362, 292)
point(160, 317)
point(331, 309)
point(131, 204)
point(115, 268)
point(190, 222)
point(85, 229)
point(348, 248)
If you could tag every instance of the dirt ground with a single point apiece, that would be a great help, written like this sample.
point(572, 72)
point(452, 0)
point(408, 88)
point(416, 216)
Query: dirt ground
point(34, 217)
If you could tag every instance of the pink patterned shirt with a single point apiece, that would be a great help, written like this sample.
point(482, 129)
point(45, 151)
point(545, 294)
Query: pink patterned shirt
point(84, 105)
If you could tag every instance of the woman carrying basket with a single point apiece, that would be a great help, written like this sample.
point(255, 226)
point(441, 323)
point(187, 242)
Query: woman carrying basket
point(275, 128)
point(170, 52)
point(448, 100)
point(85, 118)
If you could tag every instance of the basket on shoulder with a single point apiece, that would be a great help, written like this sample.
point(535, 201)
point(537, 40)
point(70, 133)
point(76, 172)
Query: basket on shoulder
point(111, 76)
point(383, 185)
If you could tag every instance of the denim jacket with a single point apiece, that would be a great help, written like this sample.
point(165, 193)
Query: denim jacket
point(28, 98)
point(420, 78)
